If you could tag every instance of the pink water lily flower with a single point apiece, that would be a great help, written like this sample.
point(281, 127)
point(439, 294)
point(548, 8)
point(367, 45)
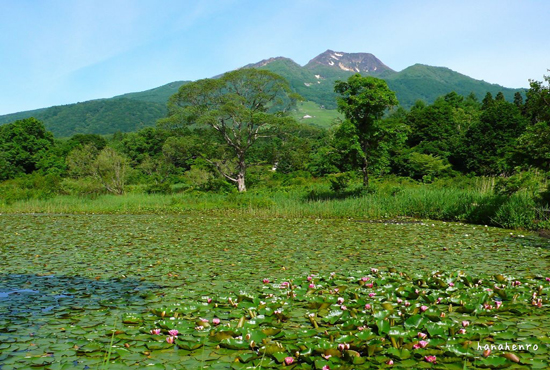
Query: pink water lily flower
point(369, 285)
point(498, 304)
point(548, 279)
point(216, 321)
point(372, 294)
point(309, 278)
point(155, 331)
point(311, 286)
point(465, 323)
point(462, 331)
point(367, 306)
point(289, 360)
point(326, 367)
point(390, 362)
point(285, 284)
point(486, 353)
point(340, 300)
point(265, 281)
point(451, 284)
point(422, 335)
point(170, 340)
point(365, 278)
point(173, 332)
point(431, 359)
point(423, 308)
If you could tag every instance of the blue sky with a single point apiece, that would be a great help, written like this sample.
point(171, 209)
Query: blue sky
point(65, 51)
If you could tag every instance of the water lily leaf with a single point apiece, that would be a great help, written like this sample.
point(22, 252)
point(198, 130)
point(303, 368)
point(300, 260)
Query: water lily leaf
point(383, 327)
point(247, 357)
point(270, 348)
point(415, 322)
point(271, 331)
point(280, 356)
point(189, 343)
point(400, 354)
point(495, 362)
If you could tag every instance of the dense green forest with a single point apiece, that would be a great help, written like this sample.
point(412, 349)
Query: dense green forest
point(456, 139)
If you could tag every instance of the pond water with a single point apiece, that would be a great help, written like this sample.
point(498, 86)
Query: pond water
point(69, 280)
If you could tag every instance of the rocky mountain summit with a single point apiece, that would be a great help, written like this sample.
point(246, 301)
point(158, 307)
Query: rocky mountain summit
point(349, 62)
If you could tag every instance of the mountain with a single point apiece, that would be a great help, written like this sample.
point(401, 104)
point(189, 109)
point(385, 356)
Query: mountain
point(349, 62)
point(314, 81)
point(103, 116)
point(159, 94)
point(124, 113)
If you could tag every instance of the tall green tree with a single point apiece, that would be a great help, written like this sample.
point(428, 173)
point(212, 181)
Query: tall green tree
point(535, 141)
point(23, 145)
point(489, 143)
point(238, 109)
point(363, 101)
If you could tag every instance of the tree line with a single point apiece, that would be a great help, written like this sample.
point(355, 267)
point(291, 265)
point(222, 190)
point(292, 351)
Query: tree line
point(217, 131)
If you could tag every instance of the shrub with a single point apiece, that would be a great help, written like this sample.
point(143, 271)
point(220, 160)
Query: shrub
point(339, 182)
point(161, 188)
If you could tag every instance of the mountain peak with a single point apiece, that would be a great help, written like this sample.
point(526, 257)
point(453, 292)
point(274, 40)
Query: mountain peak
point(351, 62)
point(264, 62)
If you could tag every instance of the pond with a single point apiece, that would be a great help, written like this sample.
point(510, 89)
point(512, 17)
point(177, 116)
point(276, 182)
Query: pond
point(89, 291)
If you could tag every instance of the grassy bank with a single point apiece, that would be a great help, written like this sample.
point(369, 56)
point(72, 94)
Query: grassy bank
point(385, 201)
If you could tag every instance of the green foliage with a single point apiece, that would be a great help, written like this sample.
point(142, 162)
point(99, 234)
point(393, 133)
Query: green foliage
point(159, 188)
point(520, 181)
point(24, 145)
point(537, 105)
point(107, 166)
point(31, 186)
point(363, 101)
point(105, 116)
point(237, 109)
point(426, 166)
point(340, 181)
point(490, 142)
point(98, 141)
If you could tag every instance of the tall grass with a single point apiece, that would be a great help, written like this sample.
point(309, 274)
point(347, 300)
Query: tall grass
point(473, 205)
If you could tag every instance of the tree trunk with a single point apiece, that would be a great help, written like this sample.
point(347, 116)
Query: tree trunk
point(241, 185)
point(365, 167)
point(365, 170)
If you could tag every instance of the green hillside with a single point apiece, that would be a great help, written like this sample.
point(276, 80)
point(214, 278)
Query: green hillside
point(157, 95)
point(312, 114)
point(105, 116)
point(12, 117)
point(427, 83)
